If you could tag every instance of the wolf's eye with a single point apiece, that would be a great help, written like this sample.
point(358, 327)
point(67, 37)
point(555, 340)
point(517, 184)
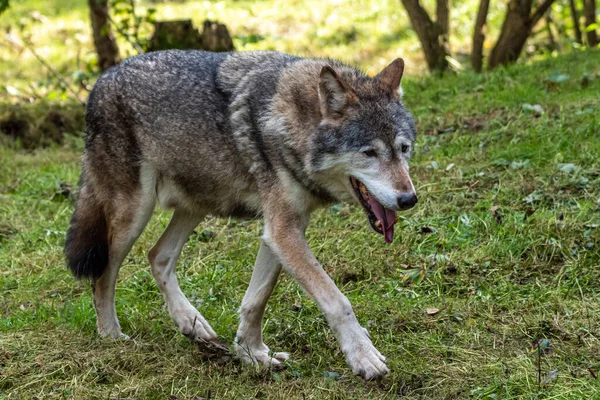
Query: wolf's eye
point(404, 148)
point(370, 153)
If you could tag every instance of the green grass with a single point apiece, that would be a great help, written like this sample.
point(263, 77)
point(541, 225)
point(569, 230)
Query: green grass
point(502, 281)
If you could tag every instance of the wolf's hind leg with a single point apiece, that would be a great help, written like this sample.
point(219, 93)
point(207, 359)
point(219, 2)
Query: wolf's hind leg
point(163, 259)
point(126, 225)
point(249, 345)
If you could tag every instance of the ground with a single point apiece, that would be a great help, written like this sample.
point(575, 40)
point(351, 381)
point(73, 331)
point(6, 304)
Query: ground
point(489, 291)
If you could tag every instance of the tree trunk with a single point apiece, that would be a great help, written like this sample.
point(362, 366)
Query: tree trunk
point(479, 35)
point(215, 37)
point(443, 20)
point(589, 9)
point(514, 33)
point(575, 18)
point(104, 41)
point(432, 35)
point(552, 42)
point(181, 34)
point(516, 28)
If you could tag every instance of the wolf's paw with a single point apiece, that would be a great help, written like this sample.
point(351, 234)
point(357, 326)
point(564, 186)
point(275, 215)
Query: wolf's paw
point(112, 332)
point(364, 359)
point(260, 355)
point(193, 325)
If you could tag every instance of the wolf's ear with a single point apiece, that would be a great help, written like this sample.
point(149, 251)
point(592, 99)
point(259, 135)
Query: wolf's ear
point(391, 76)
point(334, 94)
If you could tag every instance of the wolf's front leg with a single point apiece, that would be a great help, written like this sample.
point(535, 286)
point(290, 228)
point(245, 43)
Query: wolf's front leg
point(285, 236)
point(249, 344)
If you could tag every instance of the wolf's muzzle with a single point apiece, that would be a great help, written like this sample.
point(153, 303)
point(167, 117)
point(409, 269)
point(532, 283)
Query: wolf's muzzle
point(406, 201)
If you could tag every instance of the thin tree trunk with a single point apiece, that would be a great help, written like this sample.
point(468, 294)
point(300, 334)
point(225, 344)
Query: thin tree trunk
point(553, 43)
point(514, 33)
point(443, 21)
point(479, 35)
point(104, 41)
point(516, 29)
point(589, 9)
point(432, 36)
point(575, 18)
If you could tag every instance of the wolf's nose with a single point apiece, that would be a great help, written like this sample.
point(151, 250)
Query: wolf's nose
point(406, 201)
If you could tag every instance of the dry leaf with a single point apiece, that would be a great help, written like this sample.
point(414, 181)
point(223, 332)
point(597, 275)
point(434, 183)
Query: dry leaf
point(432, 311)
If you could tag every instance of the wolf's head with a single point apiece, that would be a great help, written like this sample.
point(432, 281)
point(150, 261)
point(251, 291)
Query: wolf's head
point(364, 142)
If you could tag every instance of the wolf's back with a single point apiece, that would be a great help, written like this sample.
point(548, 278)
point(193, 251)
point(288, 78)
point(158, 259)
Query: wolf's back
point(170, 111)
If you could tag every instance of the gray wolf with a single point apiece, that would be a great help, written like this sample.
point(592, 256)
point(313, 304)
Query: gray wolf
point(248, 135)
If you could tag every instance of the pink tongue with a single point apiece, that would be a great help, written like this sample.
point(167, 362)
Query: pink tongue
point(386, 217)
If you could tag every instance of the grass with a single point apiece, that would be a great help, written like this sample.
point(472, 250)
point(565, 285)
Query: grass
point(502, 280)
point(504, 241)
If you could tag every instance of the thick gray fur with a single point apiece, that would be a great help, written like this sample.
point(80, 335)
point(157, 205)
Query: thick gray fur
point(206, 122)
point(238, 135)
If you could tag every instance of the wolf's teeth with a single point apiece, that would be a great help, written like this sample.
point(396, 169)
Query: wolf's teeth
point(364, 192)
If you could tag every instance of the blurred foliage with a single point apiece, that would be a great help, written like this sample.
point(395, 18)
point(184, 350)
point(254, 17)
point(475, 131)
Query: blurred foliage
point(135, 27)
point(366, 33)
point(48, 84)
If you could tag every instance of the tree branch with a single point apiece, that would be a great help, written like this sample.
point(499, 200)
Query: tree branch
point(539, 13)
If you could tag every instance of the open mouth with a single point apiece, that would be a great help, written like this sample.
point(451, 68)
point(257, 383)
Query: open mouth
point(382, 219)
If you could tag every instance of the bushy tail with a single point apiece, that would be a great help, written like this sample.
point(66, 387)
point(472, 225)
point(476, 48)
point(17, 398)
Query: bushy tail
point(86, 247)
